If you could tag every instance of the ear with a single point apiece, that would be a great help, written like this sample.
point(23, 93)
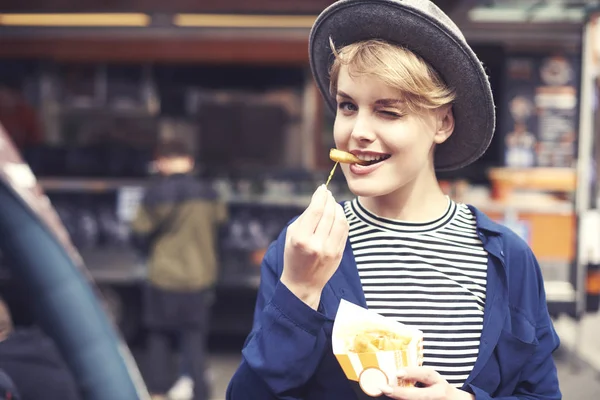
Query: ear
point(445, 124)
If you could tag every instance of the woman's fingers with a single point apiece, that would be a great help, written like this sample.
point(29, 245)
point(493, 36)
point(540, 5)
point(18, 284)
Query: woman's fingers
point(309, 220)
point(327, 218)
point(336, 241)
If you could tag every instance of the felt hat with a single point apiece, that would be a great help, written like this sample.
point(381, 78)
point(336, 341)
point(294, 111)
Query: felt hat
point(421, 27)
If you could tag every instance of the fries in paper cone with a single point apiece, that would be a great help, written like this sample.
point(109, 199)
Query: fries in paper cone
point(371, 348)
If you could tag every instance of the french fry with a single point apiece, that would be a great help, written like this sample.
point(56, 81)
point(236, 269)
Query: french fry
point(340, 156)
point(378, 340)
point(344, 157)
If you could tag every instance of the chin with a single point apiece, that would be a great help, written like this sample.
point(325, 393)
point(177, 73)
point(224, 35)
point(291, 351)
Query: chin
point(367, 189)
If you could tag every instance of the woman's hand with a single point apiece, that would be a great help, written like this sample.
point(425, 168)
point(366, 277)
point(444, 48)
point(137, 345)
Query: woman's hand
point(436, 387)
point(314, 246)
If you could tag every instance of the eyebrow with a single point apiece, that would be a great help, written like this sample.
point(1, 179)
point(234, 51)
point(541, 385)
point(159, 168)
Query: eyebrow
point(344, 95)
point(380, 102)
point(389, 102)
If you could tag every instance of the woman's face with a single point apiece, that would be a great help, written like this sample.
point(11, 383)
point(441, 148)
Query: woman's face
point(373, 123)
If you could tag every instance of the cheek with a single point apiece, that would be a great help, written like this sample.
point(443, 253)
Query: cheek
point(414, 141)
point(341, 133)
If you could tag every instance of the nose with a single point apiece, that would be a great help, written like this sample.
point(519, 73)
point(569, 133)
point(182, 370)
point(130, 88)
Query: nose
point(362, 131)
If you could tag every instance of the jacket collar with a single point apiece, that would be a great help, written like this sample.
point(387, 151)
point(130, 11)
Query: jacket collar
point(490, 233)
point(484, 223)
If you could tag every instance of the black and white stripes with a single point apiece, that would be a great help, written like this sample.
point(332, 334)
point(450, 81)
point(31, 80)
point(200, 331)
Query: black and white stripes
point(430, 275)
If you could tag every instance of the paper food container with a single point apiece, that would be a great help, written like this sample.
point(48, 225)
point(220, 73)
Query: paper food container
point(371, 348)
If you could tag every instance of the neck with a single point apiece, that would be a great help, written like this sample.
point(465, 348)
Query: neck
point(179, 170)
point(419, 200)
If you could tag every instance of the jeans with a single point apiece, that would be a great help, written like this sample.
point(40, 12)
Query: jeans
point(193, 345)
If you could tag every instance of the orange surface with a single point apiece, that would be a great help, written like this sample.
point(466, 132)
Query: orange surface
point(505, 180)
point(593, 282)
point(552, 236)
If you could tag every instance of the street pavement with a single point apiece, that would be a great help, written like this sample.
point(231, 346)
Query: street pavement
point(578, 359)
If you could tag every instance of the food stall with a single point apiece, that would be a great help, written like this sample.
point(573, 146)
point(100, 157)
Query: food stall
point(238, 89)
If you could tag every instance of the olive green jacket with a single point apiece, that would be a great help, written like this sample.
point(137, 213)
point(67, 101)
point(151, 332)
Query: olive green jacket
point(184, 256)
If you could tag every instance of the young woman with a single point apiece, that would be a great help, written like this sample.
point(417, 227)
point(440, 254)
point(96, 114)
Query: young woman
point(410, 97)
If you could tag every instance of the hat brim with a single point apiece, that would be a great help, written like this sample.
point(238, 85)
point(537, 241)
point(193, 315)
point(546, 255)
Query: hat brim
point(352, 21)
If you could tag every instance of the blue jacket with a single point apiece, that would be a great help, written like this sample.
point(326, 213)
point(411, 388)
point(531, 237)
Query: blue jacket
point(288, 354)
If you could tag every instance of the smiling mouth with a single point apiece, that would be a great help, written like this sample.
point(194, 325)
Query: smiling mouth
point(374, 160)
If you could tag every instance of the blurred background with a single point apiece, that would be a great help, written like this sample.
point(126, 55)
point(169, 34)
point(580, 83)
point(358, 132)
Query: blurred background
point(87, 90)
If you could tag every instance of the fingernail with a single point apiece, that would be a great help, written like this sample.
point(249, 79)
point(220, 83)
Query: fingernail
point(387, 390)
point(401, 373)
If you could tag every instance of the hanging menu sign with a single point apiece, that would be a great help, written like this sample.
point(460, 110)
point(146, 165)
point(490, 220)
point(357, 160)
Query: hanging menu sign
point(542, 111)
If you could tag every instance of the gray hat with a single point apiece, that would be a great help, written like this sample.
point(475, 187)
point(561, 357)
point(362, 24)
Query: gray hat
point(419, 26)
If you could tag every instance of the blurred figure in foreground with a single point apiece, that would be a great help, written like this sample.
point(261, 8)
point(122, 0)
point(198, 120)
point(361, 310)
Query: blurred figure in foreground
point(176, 229)
point(8, 390)
point(33, 363)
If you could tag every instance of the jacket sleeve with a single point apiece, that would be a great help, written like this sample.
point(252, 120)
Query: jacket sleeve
point(142, 223)
point(539, 379)
point(286, 344)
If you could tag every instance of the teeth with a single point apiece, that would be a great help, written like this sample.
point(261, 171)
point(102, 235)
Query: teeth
point(369, 157)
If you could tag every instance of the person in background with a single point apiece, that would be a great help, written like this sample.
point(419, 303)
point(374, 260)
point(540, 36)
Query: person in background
point(33, 363)
point(178, 222)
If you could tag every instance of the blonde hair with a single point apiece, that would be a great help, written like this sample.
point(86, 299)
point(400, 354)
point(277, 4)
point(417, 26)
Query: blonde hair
point(397, 67)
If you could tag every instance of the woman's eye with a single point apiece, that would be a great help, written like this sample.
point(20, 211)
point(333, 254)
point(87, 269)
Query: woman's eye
point(391, 114)
point(346, 106)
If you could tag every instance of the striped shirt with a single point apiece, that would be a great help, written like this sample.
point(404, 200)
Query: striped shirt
point(429, 275)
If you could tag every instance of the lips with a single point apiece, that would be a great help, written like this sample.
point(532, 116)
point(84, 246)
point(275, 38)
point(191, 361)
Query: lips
point(373, 161)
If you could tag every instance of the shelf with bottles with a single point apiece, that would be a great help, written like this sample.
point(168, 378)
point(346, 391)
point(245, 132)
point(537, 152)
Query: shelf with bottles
point(101, 185)
point(99, 227)
point(121, 112)
point(105, 88)
point(293, 189)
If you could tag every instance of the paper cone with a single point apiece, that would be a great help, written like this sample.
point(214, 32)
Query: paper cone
point(359, 338)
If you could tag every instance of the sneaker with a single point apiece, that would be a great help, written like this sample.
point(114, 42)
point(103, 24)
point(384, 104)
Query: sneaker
point(183, 389)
